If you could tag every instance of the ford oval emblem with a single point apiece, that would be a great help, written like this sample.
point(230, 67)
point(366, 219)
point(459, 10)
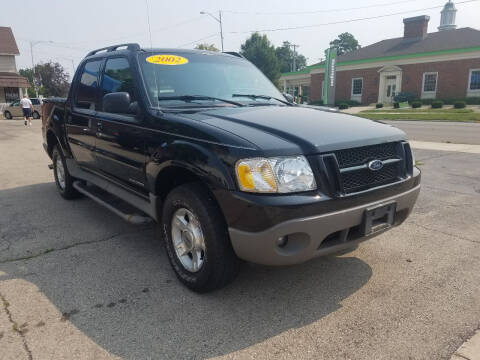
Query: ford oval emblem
point(375, 165)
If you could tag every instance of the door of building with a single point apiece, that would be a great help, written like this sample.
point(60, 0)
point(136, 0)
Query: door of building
point(390, 88)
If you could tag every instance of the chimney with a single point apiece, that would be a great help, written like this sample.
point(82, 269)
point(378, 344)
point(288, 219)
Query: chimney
point(415, 27)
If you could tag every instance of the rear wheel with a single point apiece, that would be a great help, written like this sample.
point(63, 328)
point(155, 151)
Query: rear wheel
point(197, 241)
point(7, 115)
point(63, 179)
point(36, 115)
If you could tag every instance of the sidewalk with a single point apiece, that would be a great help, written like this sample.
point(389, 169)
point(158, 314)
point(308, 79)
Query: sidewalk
point(470, 350)
point(428, 145)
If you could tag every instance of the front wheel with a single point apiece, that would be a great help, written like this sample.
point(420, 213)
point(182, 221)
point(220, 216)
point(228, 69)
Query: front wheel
point(36, 115)
point(63, 179)
point(7, 115)
point(197, 241)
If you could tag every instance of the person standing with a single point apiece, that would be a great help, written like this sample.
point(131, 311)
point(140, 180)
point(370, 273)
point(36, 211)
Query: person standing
point(27, 108)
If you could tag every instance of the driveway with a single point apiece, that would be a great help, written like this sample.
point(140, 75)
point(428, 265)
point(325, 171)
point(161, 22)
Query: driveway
point(78, 282)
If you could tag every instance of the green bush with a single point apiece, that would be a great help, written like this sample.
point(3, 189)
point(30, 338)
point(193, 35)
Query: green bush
point(348, 102)
point(379, 105)
point(473, 101)
point(404, 96)
point(343, 106)
point(459, 104)
point(416, 104)
point(396, 105)
point(437, 104)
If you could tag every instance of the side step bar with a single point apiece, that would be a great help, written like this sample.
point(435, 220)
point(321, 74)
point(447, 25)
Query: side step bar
point(147, 205)
point(117, 206)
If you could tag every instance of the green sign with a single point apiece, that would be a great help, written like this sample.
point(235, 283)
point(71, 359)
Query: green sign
point(330, 76)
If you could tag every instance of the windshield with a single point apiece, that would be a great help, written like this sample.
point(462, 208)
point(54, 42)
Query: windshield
point(169, 75)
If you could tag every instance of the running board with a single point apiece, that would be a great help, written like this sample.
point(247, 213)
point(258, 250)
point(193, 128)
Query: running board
point(112, 203)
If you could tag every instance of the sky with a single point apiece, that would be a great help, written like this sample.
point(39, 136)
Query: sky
point(65, 30)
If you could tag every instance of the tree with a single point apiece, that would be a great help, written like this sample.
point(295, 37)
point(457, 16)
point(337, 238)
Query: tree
point(285, 58)
point(205, 46)
point(261, 52)
point(50, 78)
point(345, 42)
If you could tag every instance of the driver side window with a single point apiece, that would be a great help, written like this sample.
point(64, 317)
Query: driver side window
point(117, 77)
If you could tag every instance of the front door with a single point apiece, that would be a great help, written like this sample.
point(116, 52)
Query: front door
point(120, 144)
point(80, 123)
point(390, 88)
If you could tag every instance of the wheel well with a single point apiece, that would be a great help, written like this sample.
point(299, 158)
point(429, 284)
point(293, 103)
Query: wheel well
point(51, 142)
point(172, 177)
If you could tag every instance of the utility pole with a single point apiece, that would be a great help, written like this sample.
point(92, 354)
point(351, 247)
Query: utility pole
point(219, 20)
point(32, 44)
point(294, 67)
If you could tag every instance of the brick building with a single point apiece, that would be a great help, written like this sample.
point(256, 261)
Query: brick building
point(12, 85)
point(438, 65)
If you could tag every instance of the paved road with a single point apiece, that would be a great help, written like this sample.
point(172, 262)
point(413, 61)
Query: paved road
point(454, 132)
point(78, 282)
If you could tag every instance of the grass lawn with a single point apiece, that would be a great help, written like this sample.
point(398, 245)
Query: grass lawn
point(422, 114)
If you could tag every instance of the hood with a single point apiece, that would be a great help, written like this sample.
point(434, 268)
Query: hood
point(275, 129)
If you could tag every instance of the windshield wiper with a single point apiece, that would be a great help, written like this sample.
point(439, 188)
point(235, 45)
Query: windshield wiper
point(190, 98)
point(266, 97)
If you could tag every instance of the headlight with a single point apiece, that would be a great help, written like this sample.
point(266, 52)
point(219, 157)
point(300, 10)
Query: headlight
point(272, 175)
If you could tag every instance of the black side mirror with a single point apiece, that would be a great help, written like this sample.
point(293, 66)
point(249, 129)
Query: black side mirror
point(288, 97)
point(117, 102)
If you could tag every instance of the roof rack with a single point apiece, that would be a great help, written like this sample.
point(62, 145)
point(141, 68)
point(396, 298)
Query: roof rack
point(234, 53)
point(130, 46)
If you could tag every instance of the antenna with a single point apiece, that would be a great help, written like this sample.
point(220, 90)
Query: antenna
point(151, 50)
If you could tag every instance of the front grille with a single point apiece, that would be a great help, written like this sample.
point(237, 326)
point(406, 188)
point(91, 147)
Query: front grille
point(349, 172)
point(358, 156)
point(363, 179)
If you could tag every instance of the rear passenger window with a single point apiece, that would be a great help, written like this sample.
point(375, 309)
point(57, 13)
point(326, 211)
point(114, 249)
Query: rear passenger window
point(87, 91)
point(118, 77)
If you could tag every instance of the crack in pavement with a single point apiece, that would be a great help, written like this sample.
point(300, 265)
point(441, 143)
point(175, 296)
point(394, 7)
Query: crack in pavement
point(446, 190)
point(48, 251)
point(445, 233)
point(15, 326)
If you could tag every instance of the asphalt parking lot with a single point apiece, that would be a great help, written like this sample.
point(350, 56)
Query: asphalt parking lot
point(78, 282)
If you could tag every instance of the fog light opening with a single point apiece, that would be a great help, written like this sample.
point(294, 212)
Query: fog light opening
point(282, 241)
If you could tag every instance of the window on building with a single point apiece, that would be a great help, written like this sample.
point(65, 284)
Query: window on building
point(430, 82)
point(357, 86)
point(11, 94)
point(474, 80)
point(87, 90)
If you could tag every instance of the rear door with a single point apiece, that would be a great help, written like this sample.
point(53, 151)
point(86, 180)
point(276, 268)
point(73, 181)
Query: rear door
point(81, 126)
point(15, 109)
point(120, 145)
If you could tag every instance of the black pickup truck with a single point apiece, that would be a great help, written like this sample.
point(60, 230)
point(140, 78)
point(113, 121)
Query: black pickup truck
point(204, 145)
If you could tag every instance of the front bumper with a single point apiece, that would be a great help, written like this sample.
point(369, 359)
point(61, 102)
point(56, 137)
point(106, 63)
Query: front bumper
point(314, 236)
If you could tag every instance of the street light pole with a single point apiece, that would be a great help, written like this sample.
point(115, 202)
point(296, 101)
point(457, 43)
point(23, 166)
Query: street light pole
point(219, 20)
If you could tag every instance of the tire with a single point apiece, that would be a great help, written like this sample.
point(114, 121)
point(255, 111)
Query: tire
point(7, 115)
point(201, 223)
point(63, 179)
point(36, 115)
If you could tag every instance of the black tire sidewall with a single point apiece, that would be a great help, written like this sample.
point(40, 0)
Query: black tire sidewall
point(36, 115)
point(7, 115)
point(171, 206)
point(69, 191)
point(217, 243)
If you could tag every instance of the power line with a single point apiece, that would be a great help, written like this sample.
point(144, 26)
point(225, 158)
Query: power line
point(193, 42)
point(318, 11)
point(347, 21)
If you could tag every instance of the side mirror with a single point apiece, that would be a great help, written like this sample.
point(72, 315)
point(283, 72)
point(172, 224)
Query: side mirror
point(288, 97)
point(117, 102)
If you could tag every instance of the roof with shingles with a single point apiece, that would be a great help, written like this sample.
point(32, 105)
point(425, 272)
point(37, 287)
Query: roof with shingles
point(447, 40)
point(8, 45)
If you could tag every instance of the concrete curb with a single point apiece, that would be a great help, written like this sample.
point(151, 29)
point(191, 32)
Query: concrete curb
point(470, 350)
point(427, 145)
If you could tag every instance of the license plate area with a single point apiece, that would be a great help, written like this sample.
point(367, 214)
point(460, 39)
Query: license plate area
point(378, 218)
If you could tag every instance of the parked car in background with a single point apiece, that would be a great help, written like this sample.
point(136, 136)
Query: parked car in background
point(15, 110)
